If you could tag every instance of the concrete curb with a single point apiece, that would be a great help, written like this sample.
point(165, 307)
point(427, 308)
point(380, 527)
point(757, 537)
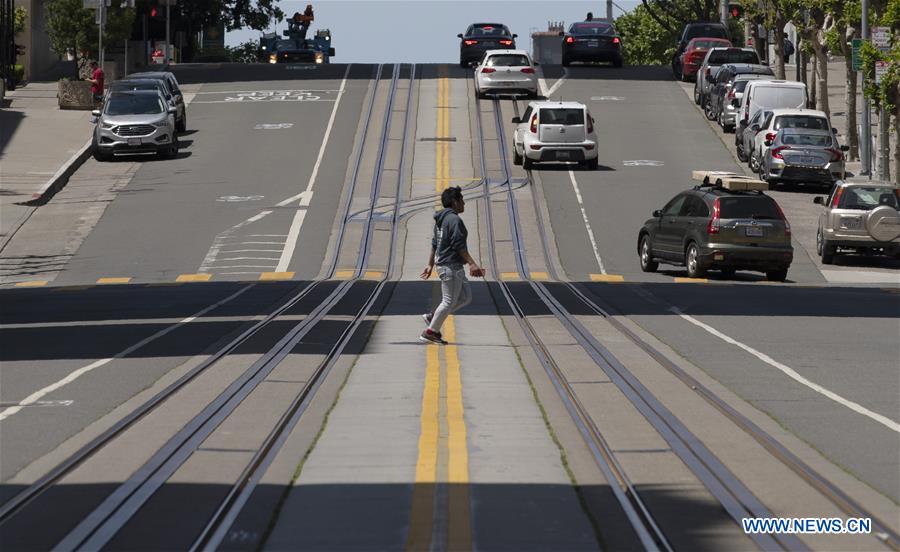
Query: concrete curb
point(61, 178)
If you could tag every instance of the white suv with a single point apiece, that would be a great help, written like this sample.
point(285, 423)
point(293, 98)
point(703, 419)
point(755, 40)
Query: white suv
point(555, 132)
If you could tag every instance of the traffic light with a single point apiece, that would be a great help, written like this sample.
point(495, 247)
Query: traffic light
point(154, 9)
point(736, 10)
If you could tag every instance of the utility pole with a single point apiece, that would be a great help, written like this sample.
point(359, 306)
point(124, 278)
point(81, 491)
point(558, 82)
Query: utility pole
point(866, 138)
point(102, 22)
point(168, 19)
point(723, 12)
point(609, 8)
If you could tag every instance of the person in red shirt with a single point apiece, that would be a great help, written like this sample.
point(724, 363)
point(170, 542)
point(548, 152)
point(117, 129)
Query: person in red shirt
point(96, 81)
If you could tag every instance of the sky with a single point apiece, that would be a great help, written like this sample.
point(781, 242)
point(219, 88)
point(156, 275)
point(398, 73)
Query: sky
point(424, 31)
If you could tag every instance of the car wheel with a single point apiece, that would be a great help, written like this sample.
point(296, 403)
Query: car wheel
point(527, 163)
point(708, 110)
point(181, 125)
point(825, 249)
point(566, 62)
point(592, 164)
point(727, 273)
point(754, 163)
point(99, 155)
point(696, 94)
point(647, 262)
point(692, 261)
point(517, 159)
point(778, 275)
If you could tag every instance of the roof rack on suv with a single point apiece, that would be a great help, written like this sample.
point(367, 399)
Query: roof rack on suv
point(728, 181)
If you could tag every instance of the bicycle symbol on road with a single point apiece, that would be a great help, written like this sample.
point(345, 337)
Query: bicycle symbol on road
point(274, 96)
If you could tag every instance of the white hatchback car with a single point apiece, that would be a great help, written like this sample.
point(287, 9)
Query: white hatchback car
point(506, 72)
point(555, 132)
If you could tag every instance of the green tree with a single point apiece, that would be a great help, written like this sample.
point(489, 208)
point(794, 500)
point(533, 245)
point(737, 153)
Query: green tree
point(73, 29)
point(644, 40)
point(20, 17)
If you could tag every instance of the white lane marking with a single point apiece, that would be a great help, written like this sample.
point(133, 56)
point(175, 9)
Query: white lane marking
point(68, 402)
point(791, 373)
point(250, 101)
point(860, 277)
point(41, 393)
point(306, 195)
point(607, 98)
point(250, 259)
point(219, 241)
point(586, 223)
point(252, 251)
point(557, 84)
point(642, 163)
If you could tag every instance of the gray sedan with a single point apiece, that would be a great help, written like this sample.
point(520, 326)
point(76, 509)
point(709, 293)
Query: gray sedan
point(803, 156)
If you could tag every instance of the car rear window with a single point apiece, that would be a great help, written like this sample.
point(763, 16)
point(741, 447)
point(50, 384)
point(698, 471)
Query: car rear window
point(744, 207)
point(733, 56)
point(126, 85)
point(801, 121)
point(598, 29)
point(562, 116)
point(714, 31)
point(488, 30)
point(806, 140)
point(869, 197)
point(508, 60)
point(133, 104)
point(740, 86)
point(779, 96)
point(707, 44)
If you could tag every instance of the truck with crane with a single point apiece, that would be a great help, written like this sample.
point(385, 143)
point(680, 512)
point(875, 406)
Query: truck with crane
point(295, 47)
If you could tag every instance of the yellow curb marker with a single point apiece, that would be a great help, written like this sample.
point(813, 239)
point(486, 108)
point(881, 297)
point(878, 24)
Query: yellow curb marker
point(373, 275)
point(33, 283)
point(607, 278)
point(509, 276)
point(105, 281)
point(543, 276)
point(275, 276)
point(193, 278)
point(681, 280)
point(344, 274)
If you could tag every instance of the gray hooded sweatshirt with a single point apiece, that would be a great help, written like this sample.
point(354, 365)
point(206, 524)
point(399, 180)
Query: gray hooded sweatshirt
point(449, 238)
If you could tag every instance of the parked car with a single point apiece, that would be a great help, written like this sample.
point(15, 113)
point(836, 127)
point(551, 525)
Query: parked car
point(692, 57)
point(481, 37)
point(727, 89)
point(859, 217)
point(591, 41)
point(714, 60)
point(776, 119)
point(506, 72)
point(767, 94)
point(174, 89)
point(803, 156)
point(696, 30)
point(137, 121)
point(142, 84)
point(711, 227)
point(555, 132)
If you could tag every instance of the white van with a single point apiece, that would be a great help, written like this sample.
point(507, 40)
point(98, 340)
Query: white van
point(771, 94)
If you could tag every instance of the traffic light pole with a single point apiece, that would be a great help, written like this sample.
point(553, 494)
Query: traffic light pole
point(168, 19)
point(723, 11)
point(866, 138)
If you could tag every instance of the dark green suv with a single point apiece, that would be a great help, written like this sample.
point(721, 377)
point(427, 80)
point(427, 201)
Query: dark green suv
point(710, 227)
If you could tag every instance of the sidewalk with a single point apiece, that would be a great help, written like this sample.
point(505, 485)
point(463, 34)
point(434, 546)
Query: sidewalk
point(36, 140)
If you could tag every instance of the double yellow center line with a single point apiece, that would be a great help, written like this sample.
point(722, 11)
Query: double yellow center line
point(443, 461)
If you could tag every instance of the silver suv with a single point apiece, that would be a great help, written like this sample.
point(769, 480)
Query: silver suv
point(859, 216)
point(138, 121)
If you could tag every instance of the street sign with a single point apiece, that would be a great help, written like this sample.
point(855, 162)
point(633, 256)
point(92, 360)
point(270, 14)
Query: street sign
point(857, 59)
point(881, 38)
point(881, 68)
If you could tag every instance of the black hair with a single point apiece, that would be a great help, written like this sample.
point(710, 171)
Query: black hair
point(590, 16)
point(449, 195)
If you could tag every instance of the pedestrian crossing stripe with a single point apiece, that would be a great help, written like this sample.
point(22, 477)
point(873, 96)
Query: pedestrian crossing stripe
point(275, 276)
point(607, 278)
point(681, 280)
point(33, 283)
point(104, 281)
point(193, 278)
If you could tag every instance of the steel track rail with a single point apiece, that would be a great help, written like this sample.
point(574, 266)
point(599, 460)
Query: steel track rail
point(218, 526)
point(100, 526)
point(731, 493)
point(648, 532)
point(20, 500)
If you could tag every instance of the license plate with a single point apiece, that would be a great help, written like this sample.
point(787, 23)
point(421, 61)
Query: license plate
point(754, 232)
point(593, 43)
point(807, 160)
point(134, 141)
point(562, 155)
point(850, 223)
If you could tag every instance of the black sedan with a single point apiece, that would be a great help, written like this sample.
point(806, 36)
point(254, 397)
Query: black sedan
point(481, 37)
point(592, 41)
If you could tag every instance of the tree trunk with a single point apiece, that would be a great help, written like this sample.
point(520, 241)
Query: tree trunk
point(850, 130)
point(821, 78)
point(897, 145)
point(779, 48)
point(801, 59)
point(813, 91)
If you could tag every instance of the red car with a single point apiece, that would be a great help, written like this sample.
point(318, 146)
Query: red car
point(696, 50)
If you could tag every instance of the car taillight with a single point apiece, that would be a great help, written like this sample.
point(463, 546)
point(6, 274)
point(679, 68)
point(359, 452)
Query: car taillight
point(534, 124)
point(506, 42)
point(713, 226)
point(569, 40)
point(488, 70)
point(590, 125)
point(615, 40)
point(770, 136)
point(776, 153)
point(837, 198)
point(527, 70)
point(787, 225)
point(730, 95)
point(836, 155)
point(470, 42)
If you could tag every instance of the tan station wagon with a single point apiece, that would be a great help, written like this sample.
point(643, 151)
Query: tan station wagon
point(859, 217)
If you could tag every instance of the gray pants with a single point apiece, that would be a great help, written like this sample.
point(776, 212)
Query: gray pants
point(455, 294)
